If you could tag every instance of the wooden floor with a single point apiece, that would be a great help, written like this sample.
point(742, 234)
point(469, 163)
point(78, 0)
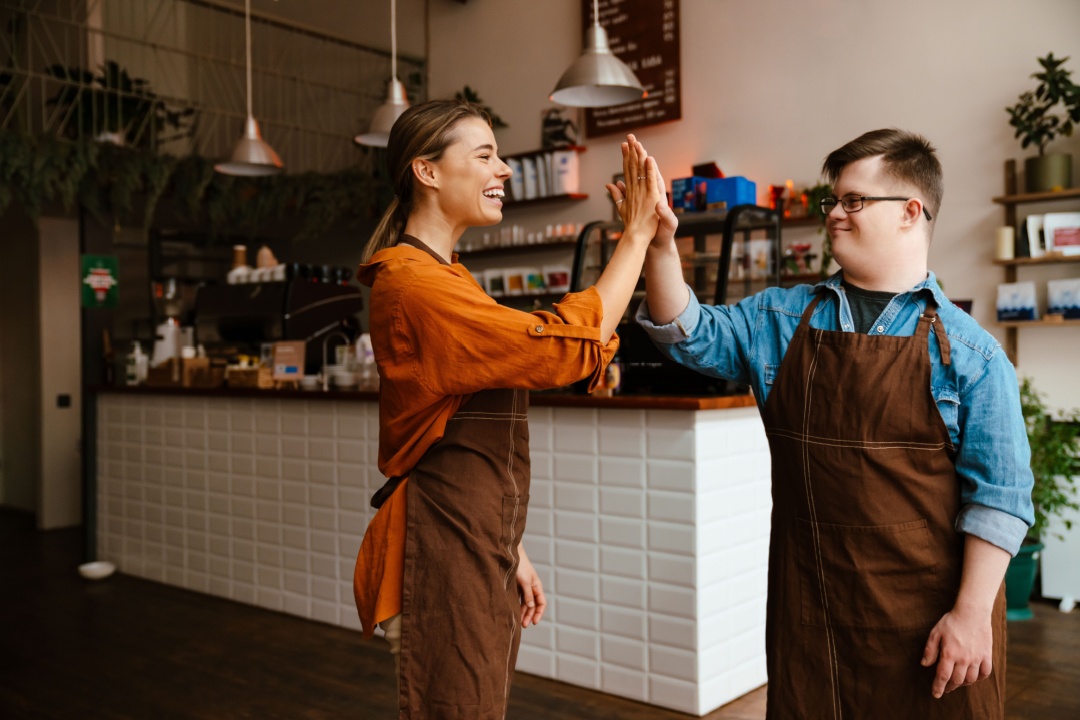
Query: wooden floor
point(130, 648)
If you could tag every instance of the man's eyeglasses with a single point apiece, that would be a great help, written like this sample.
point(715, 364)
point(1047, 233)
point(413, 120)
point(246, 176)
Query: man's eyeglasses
point(854, 203)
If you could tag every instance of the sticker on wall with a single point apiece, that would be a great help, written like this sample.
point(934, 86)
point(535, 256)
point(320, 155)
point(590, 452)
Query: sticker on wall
point(100, 286)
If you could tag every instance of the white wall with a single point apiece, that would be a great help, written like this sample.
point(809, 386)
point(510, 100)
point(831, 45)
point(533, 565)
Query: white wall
point(60, 486)
point(770, 87)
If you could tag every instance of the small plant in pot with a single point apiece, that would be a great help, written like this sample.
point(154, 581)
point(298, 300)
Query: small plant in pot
point(1040, 116)
point(1055, 463)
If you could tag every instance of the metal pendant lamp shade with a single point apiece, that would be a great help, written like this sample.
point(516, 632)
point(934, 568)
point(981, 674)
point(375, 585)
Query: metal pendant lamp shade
point(252, 155)
point(597, 78)
point(378, 134)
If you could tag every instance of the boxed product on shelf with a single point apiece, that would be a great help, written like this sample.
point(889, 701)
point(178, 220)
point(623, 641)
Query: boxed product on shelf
point(697, 193)
point(495, 282)
point(1062, 232)
point(534, 280)
point(565, 176)
point(1016, 301)
point(557, 278)
point(1063, 297)
point(517, 179)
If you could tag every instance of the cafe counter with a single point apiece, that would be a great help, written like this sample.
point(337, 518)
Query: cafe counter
point(648, 522)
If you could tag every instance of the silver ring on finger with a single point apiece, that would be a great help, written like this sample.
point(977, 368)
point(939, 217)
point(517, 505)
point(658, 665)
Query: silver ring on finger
point(617, 202)
point(640, 177)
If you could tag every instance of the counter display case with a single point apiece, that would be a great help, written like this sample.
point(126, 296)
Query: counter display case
point(726, 256)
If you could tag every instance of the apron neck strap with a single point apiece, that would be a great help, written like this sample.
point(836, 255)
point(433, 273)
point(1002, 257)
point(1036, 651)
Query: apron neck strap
point(930, 320)
point(810, 308)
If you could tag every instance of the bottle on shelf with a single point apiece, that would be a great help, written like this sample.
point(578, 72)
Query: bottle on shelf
point(137, 365)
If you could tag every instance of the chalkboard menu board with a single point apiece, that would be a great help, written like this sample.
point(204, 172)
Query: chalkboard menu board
point(644, 34)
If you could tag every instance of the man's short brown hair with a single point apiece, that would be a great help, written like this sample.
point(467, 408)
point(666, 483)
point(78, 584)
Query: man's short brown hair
point(907, 157)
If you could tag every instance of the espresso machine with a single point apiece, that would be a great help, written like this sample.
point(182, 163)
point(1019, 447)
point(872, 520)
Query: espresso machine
point(240, 318)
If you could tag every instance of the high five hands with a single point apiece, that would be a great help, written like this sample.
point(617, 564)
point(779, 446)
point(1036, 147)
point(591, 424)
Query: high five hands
point(641, 199)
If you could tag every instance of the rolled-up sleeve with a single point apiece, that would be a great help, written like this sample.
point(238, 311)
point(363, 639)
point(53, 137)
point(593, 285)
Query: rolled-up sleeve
point(994, 459)
point(712, 339)
point(466, 342)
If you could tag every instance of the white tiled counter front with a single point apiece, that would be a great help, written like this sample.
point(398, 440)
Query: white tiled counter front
point(648, 527)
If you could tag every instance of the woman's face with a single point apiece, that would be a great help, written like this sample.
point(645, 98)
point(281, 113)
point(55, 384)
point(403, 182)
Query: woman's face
point(470, 177)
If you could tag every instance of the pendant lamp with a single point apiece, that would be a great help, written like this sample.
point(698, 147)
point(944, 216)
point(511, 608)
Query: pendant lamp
point(597, 78)
point(252, 155)
point(378, 134)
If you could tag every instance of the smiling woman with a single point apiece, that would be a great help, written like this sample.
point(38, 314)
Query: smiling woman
point(442, 569)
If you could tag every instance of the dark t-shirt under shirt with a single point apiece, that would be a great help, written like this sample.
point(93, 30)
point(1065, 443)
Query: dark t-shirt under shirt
point(866, 305)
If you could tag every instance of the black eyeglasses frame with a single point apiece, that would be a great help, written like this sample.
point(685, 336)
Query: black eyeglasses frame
point(828, 203)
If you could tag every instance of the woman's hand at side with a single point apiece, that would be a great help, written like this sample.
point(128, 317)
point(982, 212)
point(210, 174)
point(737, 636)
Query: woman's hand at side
point(530, 590)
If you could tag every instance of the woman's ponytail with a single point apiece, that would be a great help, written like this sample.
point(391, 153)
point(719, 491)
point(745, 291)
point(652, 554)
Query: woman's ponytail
point(422, 131)
point(387, 233)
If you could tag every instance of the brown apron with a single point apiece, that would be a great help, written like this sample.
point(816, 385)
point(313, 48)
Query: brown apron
point(465, 503)
point(863, 556)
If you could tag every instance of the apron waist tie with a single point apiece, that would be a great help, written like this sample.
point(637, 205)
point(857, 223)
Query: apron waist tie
point(383, 494)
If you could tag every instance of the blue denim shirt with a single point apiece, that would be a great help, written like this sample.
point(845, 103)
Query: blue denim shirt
point(977, 394)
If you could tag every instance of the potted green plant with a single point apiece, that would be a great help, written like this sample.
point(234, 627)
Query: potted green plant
point(113, 106)
point(1055, 463)
point(1038, 121)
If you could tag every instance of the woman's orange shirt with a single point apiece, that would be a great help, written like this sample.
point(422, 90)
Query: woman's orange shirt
point(438, 338)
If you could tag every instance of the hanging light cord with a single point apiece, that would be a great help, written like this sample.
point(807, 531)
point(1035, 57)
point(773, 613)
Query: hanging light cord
point(596, 12)
point(393, 39)
point(247, 39)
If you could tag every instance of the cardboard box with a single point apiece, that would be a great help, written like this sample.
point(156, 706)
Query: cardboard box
point(186, 372)
point(697, 193)
point(253, 377)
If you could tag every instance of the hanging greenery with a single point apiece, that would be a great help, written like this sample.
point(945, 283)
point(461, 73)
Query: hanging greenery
point(116, 183)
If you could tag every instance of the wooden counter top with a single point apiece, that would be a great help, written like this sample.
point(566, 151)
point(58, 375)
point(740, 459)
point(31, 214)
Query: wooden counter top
point(537, 399)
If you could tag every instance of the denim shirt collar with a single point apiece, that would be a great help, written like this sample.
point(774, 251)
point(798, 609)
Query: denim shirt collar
point(834, 284)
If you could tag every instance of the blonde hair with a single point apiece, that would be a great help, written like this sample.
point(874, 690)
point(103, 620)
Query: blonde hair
point(422, 132)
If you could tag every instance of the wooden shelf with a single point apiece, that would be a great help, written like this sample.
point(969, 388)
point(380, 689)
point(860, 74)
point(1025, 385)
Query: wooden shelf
point(518, 249)
point(1038, 323)
point(1019, 198)
point(801, 221)
point(544, 297)
point(533, 153)
point(570, 197)
point(1046, 260)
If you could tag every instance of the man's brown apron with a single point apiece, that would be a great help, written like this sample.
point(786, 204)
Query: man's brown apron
point(466, 502)
point(864, 559)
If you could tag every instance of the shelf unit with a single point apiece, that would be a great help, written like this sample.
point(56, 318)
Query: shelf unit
point(1011, 200)
point(511, 202)
point(519, 249)
point(546, 200)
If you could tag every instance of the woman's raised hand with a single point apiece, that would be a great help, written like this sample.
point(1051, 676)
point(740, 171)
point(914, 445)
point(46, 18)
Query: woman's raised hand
point(639, 197)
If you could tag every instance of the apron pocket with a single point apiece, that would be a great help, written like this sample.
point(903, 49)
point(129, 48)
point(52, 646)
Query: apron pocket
point(879, 577)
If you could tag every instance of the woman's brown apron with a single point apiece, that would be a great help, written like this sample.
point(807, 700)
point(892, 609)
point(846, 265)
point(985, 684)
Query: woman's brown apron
point(864, 559)
point(466, 502)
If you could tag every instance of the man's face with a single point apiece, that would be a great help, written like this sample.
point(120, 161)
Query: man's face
point(869, 236)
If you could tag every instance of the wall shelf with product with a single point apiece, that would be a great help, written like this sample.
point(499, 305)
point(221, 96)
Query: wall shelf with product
point(499, 250)
point(544, 176)
point(1012, 202)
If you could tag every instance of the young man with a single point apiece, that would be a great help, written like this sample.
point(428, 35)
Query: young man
point(901, 479)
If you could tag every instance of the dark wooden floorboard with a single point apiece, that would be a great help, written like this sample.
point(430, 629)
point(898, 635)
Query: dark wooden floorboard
point(131, 648)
